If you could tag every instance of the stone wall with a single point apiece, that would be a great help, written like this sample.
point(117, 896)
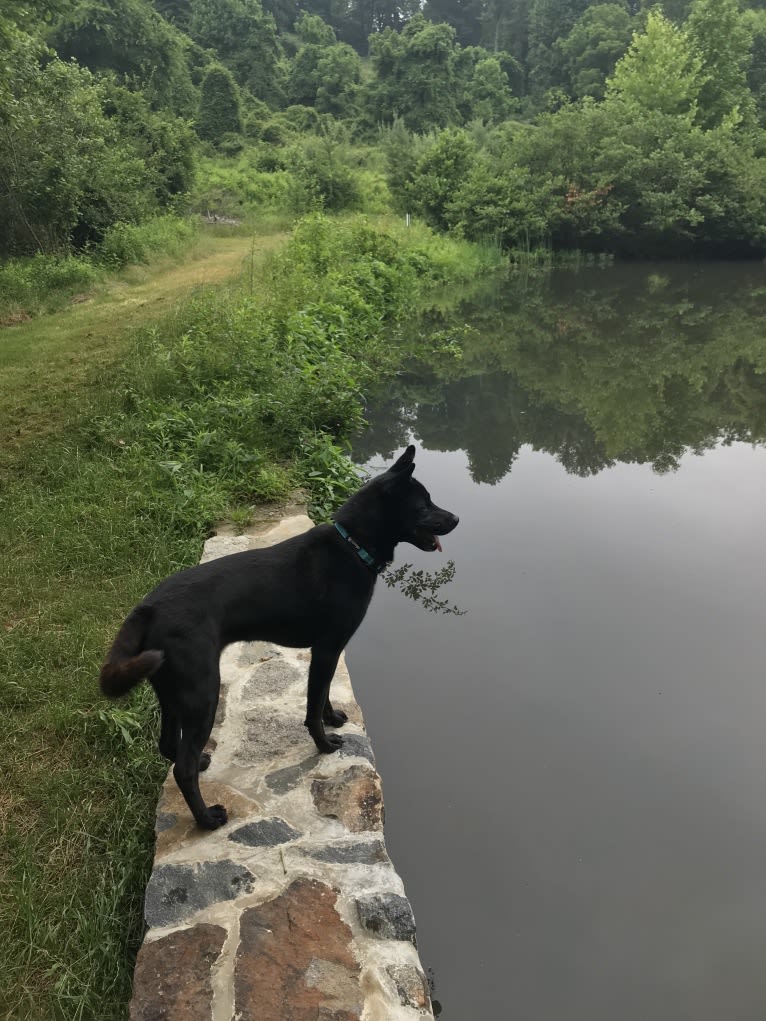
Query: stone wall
point(292, 911)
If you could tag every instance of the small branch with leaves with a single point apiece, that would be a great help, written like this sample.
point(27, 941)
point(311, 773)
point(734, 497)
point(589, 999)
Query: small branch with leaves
point(422, 586)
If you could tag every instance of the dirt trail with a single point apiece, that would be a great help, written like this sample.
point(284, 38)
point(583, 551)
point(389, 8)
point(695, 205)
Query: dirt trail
point(46, 364)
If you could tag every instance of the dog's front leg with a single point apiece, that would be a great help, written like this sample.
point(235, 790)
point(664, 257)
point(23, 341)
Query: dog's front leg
point(321, 672)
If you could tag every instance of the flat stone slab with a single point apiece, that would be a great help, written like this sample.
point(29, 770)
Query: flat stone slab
point(265, 833)
point(177, 892)
point(387, 916)
point(292, 911)
point(173, 980)
point(296, 958)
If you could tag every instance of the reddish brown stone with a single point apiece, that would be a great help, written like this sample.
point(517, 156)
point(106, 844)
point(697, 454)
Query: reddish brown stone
point(177, 823)
point(294, 961)
point(354, 797)
point(172, 977)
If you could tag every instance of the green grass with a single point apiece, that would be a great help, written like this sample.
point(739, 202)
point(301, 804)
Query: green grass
point(77, 548)
point(126, 243)
point(43, 283)
point(139, 443)
point(79, 543)
point(40, 284)
point(54, 370)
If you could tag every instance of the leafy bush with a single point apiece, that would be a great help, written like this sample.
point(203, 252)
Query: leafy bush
point(34, 284)
point(126, 243)
point(219, 109)
point(67, 172)
point(322, 178)
point(240, 386)
point(240, 187)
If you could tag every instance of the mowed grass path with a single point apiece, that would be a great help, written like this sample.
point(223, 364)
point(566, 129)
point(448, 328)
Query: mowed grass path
point(78, 547)
point(49, 365)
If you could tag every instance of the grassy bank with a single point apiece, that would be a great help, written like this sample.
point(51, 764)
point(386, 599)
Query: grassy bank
point(232, 397)
point(52, 367)
point(41, 284)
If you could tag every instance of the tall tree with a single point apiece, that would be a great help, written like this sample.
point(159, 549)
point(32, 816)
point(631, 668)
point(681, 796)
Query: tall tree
point(245, 40)
point(340, 73)
point(284, 12)
point(323, 73)
point(661, 72)
point(177, 11)
point(550, 20)
point(719, 34)
point(219, 110)
point(416, 76)
point(66, 174)
point(755, 22)
point(302, 74)
point(488, 94)
point(130, 38)
point(463, 15)
point(591, 50)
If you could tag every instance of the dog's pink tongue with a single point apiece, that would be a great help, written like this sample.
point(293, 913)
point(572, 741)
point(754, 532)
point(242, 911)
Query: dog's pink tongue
point(438, 544)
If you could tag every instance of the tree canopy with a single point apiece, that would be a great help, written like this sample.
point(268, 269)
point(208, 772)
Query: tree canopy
point(621, 125)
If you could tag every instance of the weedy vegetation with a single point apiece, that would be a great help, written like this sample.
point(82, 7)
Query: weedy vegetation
point(239, 395)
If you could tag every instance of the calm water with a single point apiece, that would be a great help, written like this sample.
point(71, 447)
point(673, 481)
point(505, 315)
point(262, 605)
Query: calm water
point(575, 770)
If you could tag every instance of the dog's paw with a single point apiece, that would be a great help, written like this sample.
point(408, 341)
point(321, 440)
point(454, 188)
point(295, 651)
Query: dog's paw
point(204, 761)
point(331, 743)
point(214, 817)
point(336, 718)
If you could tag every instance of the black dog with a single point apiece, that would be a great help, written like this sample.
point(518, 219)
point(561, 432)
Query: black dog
point(311, 591)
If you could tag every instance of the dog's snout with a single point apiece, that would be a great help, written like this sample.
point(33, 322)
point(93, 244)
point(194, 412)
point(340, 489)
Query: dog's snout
point(449, 521)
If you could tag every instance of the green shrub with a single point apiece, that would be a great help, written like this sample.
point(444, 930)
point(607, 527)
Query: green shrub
point(240, 386)
point(126, 243)
point(42, 282)
point(240, 188)
point(219, 110)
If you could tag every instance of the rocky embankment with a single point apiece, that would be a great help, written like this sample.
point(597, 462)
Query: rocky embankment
point(293, 910)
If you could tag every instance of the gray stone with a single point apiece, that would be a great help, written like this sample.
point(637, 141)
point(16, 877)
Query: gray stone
point(411, 986)
point(271, 677)
point(265, 833)
point(270, 736)
point(255, 652)
point(387, 916)
point(176, 892)
point(165, 821)
point(220, 712)
point(283, 780)
point(363, 852)
point(358, 745)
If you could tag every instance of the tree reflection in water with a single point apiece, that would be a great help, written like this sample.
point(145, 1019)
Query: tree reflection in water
point(632, 363)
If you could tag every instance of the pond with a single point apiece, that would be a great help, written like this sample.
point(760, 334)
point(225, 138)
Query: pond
point(575, 769)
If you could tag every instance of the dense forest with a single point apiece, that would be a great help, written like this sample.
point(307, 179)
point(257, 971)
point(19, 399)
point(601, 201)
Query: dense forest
point(623, 127)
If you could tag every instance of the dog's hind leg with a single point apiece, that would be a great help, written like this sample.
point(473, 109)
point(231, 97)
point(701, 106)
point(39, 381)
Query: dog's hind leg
point(195, 708)
point(186, 773)
point(170, 731)
point(318, 708)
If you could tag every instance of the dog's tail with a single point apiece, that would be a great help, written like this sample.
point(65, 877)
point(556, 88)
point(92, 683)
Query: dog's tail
point(126, 663)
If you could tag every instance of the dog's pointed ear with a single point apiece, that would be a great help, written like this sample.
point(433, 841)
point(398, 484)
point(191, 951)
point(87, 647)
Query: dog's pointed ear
point(406, 462)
